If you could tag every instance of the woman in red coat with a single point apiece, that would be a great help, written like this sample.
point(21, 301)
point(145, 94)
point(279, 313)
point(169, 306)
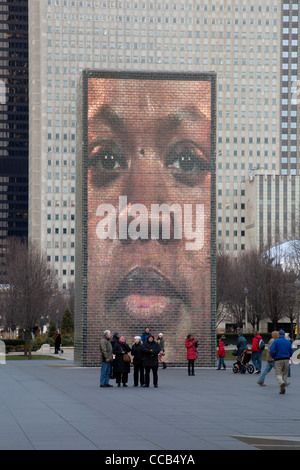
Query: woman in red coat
point(221, 354)
point(191, 345)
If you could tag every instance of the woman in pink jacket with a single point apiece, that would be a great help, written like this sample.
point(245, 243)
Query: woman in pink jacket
point(191, 354)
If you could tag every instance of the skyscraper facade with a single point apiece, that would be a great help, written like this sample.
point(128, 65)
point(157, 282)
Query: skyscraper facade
point(273, 198)
point(14, 112)
point(249, 44)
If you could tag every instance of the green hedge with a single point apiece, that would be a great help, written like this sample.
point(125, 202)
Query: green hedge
point(17, 345)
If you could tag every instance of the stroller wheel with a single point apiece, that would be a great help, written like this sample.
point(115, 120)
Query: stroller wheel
point(243, 369)
point(235, 369)
point(250, 369)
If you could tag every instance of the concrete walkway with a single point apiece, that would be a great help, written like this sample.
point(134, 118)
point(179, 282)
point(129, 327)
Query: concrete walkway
point(55, 405)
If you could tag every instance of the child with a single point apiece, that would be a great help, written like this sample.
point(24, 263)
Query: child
point(221, 354)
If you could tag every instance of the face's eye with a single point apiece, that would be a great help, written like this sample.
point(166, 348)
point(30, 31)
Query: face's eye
point(186, 157)
point(106, 162)
point(107, 156)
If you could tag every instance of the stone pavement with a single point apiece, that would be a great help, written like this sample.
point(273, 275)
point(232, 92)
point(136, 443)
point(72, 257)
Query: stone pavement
point(52, 405)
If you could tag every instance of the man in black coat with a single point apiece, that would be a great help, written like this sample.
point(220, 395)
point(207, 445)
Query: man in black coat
point(150, 352)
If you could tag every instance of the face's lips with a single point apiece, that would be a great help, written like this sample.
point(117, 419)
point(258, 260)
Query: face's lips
point(145, 283)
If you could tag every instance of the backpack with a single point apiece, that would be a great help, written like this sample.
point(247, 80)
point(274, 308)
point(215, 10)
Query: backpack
point(261, 345)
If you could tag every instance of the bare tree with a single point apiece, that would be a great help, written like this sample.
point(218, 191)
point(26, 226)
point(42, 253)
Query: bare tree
point(235, 294)
point(223, 265)
point(253, 275)
point(30, 287)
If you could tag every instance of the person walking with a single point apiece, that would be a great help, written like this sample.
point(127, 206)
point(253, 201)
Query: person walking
point(106, 356)
point(150, 352)
point(270, 361)
point(161, 342)
point(281, 350)
point(191, 345)
point(241, 343)
point(138, 369)
point(221, 354)
point(121, 368)
point(256, 353)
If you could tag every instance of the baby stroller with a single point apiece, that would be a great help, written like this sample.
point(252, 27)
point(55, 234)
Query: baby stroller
point(242, 364)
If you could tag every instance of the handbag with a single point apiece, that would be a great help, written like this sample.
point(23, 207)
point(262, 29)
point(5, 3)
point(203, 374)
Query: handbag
point(126, 358)
point(234, 352)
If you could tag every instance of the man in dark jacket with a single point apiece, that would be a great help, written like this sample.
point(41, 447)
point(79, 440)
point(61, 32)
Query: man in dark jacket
point(145, 335)
point(150, 352)
point(241, 343)
point(281, 350)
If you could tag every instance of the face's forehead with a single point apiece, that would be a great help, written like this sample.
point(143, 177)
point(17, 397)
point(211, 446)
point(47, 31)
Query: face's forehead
point(153, 97)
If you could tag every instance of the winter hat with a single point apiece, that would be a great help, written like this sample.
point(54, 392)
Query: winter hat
point(281, 332)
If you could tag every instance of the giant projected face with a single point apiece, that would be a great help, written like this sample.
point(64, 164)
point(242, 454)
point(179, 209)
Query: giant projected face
point(149, 208)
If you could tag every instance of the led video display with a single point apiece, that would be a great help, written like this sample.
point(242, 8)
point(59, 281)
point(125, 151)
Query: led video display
point(145, 211)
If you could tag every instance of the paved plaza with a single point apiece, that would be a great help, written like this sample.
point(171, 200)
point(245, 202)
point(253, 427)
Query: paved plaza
point(48, 405)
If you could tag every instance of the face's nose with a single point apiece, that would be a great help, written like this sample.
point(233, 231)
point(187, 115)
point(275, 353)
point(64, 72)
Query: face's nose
point(147, 190)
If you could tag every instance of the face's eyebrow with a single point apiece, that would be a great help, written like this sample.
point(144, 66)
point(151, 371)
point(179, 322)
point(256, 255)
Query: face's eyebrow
point(182, 115)
point(107, 115)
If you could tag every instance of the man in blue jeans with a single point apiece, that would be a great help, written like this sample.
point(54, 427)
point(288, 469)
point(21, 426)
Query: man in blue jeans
point(106, 356)
point(270, 361)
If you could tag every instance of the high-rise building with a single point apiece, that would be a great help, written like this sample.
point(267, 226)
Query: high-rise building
point(14, 112)
point(252, 45)
point(273, 198)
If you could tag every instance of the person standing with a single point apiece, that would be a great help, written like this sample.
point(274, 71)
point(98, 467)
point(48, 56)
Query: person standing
point(191, 345)
point(281, 350)
point(121, 368)
point(161, 342)
point(150, 352)
point(115, 338)
point(256, 352)
point(138, 369)
point(145, 335)
point(221, 354)
point(57, 342)
point(106, 356)
point(270, 361)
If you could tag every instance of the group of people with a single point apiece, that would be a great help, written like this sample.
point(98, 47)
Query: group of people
point(115, 359)
point(279, 353)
